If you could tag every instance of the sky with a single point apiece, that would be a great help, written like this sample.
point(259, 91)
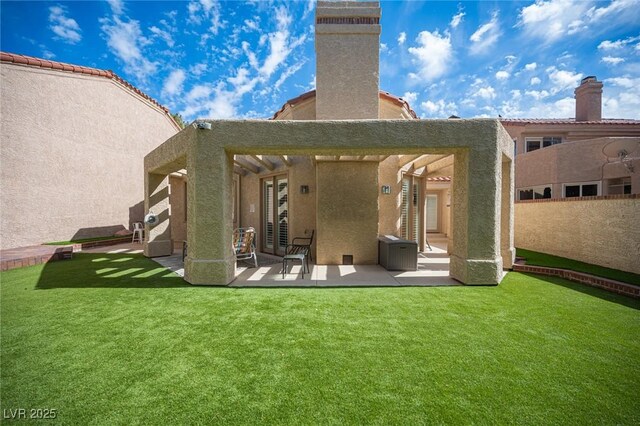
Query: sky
point(245, 59)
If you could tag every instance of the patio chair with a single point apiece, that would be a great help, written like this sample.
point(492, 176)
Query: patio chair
point(138, 232)
point(243, 244)
point(299, 249)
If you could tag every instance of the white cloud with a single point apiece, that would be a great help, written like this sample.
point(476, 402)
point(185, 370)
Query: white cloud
point(64, 28)
point(402, 37)
point(487, 93)
point(288, 73)
point(117, 7)
point(553, 19)
point(457, 19)
point(485, 36)
point(534, 81)
point(621, 98)
point(308, 8)
point(383, 47)
point(206, 9)
point(433, 55)
point(562, 79)
point(537, 94)
point(410, 96)
point(280, 45)
point(530, 67)
point(199, 91)
point(198, 69)
point(612, 60)
point(251, 24)
point(502, 75)
point(164, 35)
point(625, 82)
point(439, 108)
point(617, 44)
point(173, 84)
point(125, 40)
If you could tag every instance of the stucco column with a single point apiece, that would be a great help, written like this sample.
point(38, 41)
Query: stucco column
point(209, 215)
point(475, 258)
point(158, 241)
point(506, 228)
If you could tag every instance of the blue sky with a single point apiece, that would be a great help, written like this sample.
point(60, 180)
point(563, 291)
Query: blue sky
point(244, 59)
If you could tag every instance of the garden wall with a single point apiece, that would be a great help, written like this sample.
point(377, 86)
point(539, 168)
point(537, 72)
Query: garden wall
point(601, 230)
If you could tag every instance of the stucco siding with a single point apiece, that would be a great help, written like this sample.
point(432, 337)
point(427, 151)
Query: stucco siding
point(348, 212)
point(602, 232)
point(72, 154)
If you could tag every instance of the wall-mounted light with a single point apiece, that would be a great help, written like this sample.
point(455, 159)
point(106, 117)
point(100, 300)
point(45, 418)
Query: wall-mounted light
point(386, 189)
point(304, 189)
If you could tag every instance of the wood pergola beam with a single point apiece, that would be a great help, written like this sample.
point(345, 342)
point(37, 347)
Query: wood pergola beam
point(286, 160)
point(403, 160)
point(439, 164)
point(262, 160)
point(246, 165)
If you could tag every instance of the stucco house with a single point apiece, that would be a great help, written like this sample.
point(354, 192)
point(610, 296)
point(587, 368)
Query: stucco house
point(73, 142)
point(347, 161)
point(563, 158)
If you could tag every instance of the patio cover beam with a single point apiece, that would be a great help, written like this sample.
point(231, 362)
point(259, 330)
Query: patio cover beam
point(262, 160)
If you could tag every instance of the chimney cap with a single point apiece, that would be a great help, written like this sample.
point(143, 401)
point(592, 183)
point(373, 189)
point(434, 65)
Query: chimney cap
point(589, 78)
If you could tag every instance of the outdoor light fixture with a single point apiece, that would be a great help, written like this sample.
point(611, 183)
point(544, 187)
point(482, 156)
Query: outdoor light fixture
point(304, 189)
point(386, 189)
point(203, 125)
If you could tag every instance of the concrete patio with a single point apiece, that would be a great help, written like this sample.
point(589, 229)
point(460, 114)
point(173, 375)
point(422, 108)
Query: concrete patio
point(433, 270)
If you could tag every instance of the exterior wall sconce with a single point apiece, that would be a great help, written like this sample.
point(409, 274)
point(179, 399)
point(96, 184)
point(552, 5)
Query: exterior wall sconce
point(304, 189)
point(386, 189)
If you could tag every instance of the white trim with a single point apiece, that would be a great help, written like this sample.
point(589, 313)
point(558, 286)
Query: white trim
point(535, 188)
point(581, 184)
point(541, 140)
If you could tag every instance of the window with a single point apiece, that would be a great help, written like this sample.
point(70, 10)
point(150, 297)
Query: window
point(534, 193)
point(533, 144)
point(583, 189)
point(619, 186)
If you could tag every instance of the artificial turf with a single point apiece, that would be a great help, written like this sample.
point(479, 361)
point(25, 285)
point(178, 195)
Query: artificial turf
point(117, 339)
point(83, 240)
point(551, 261)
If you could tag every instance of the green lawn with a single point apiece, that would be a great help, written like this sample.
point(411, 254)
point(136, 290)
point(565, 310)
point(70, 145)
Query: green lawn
point(543, 259)
point(116, 339)
point(83, 240)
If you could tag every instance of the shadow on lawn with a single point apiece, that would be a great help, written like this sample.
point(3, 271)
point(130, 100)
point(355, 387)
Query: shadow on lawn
point(100, 270)
point(591, 291)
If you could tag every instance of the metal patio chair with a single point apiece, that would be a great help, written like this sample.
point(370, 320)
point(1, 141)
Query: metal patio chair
point(299, 249)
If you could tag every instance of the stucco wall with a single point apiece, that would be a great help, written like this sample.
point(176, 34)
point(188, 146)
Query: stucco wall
point(347, 217)
point(72, 154)
point(603, 232)
point(178, 212)
point(579, 161)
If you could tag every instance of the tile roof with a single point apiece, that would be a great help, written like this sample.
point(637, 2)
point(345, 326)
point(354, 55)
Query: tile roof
point(522, 121)
point(61, 66)
point(439, 179)
point(383, 95)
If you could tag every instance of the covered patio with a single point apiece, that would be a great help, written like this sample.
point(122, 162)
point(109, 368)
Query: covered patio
point(347, 222)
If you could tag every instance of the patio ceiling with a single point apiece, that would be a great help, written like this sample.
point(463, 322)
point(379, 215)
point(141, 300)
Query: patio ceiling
point(422, 165)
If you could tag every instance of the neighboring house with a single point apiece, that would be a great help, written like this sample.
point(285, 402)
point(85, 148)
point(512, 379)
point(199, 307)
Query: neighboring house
point(563, 158)
point(347, 161)
point(73, 143)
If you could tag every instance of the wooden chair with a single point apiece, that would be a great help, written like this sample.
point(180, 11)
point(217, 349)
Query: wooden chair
point(244, 245)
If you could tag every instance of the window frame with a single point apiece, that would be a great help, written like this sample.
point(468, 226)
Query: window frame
point(534, 188)
point(581, 184)
point(540, 140)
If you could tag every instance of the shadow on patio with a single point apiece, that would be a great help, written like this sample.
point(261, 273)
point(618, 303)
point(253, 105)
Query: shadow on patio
point(433, 270)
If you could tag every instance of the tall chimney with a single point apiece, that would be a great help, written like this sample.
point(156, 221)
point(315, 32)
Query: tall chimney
point(589, 99)
point(347, 60)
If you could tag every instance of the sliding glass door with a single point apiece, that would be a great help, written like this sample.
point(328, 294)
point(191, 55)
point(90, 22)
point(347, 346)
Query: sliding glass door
point(275, 214)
